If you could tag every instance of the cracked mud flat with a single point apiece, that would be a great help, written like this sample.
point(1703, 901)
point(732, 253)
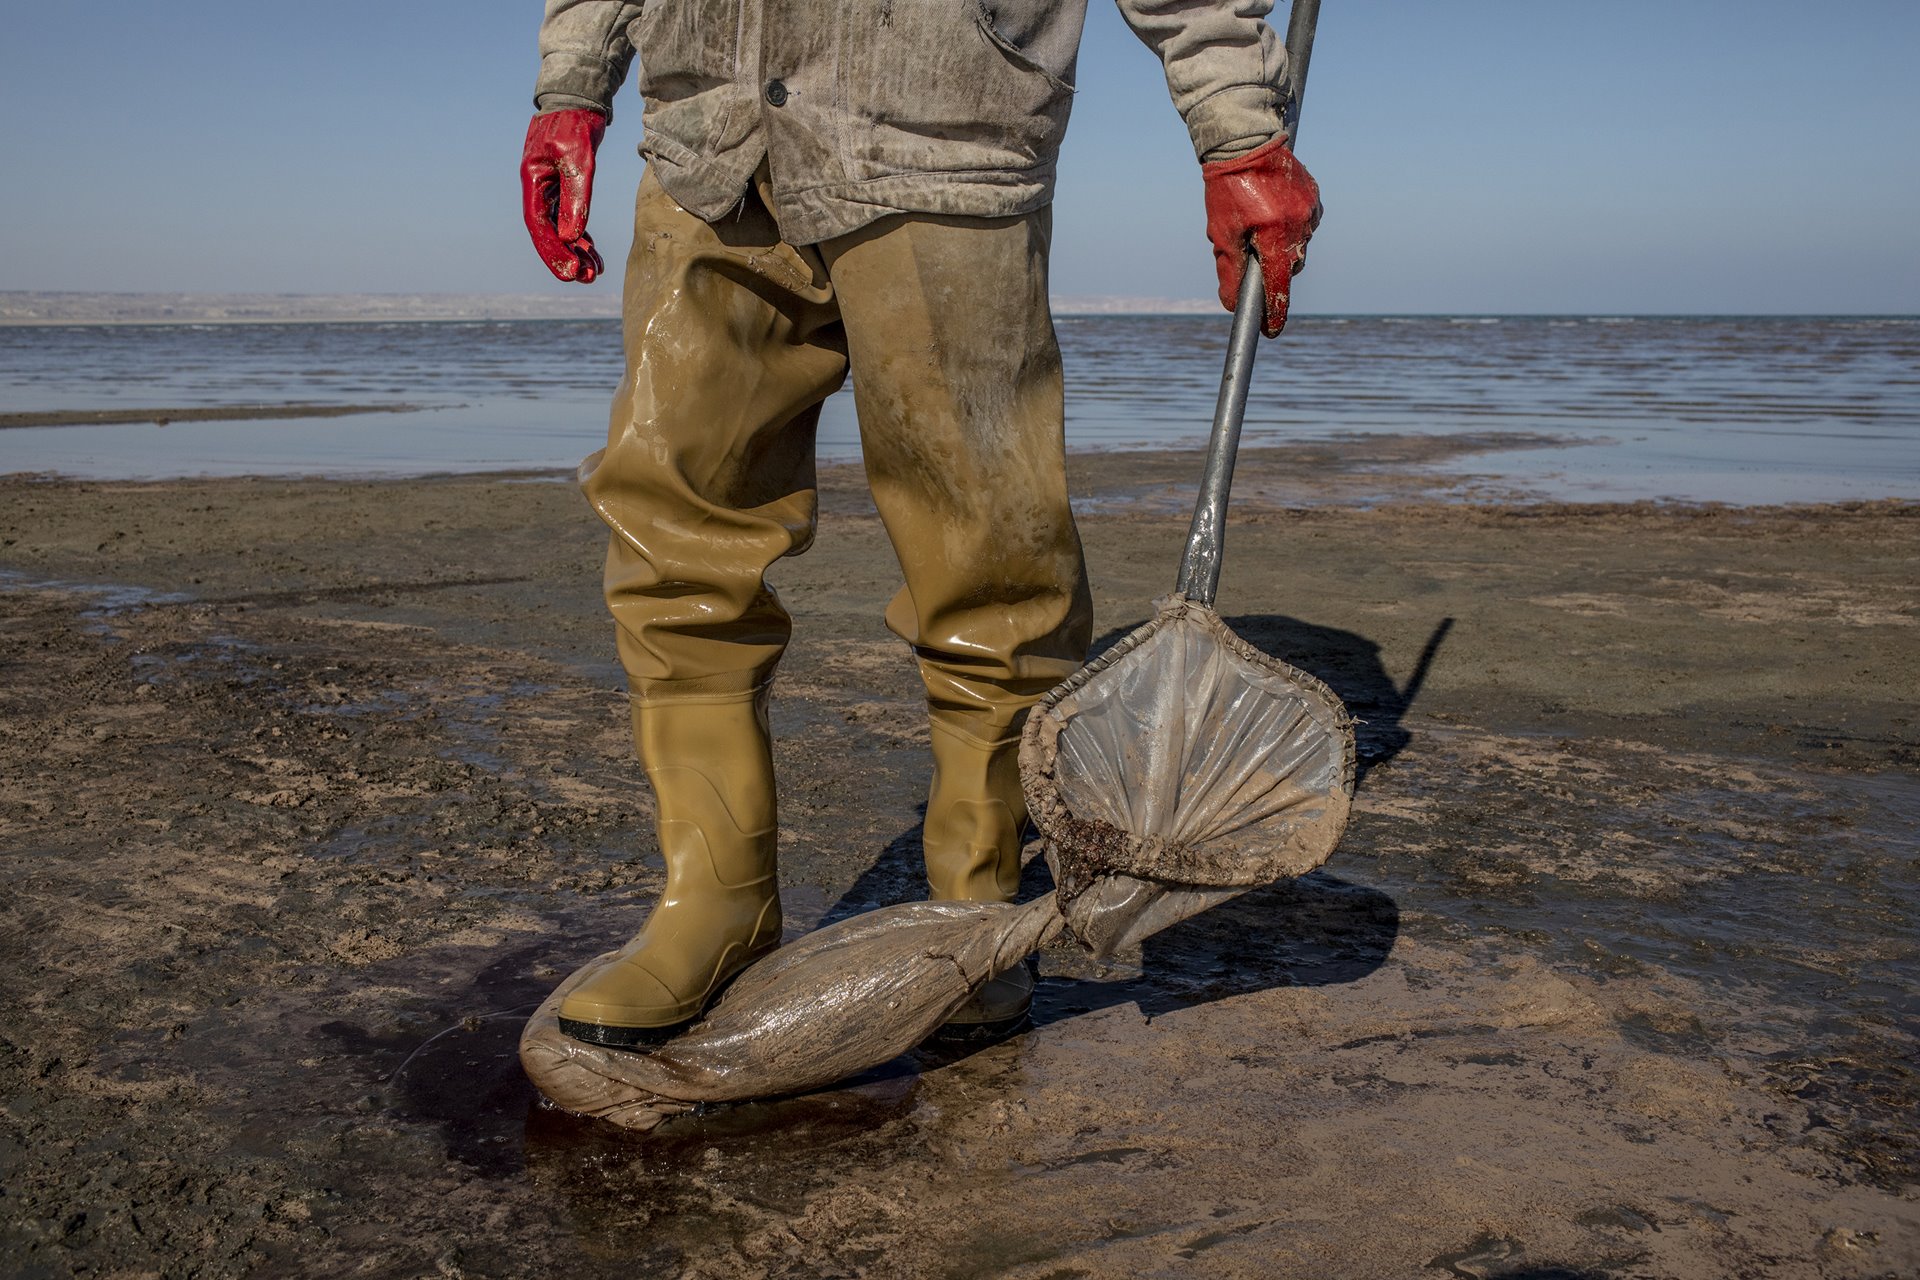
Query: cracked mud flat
point(311, 790)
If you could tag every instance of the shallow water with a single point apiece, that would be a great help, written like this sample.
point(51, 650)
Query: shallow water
point(1737, 410)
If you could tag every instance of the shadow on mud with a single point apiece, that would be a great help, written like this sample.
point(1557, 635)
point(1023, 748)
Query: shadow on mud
point(464, 1078)
point(1316, 931)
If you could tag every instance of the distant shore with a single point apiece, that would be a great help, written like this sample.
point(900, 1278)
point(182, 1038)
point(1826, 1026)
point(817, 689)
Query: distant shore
point(22, 308)
point(44, 308)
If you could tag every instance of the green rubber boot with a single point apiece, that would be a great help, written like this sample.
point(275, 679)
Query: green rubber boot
point(711, 768)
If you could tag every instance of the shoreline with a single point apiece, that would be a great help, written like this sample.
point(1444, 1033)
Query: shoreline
point(1360, 471)
point(20, 419)
point(29, 309)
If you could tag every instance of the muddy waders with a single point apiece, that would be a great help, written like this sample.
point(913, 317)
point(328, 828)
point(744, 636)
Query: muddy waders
point(733, 339)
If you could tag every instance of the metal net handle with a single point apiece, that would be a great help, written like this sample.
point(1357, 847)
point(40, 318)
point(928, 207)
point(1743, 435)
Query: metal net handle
point(1200, 566)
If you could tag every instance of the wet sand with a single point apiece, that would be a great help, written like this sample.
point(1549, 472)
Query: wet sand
point(203, 413)
point(313, 789)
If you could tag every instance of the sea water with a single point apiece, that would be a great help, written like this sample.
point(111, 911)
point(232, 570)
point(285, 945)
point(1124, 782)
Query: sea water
point(1728, 409)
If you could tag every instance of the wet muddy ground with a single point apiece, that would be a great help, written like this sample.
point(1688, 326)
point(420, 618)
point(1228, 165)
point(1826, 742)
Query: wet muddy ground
point(311, 790)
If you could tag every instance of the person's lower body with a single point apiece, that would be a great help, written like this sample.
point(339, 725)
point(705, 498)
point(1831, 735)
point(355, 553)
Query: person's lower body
point(733, 340)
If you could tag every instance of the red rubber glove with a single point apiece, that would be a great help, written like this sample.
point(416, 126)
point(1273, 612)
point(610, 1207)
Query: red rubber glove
point(556, 189)
point(1268, 200)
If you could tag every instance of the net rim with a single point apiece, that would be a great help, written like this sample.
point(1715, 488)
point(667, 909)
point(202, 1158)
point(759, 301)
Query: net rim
point(1039, 754)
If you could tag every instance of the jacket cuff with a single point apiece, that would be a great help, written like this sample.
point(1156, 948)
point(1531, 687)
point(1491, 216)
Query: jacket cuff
point(1234, 121)
point(546, 102)
point(576, 80)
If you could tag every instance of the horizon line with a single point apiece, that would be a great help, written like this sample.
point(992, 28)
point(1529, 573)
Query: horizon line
point(103, 307)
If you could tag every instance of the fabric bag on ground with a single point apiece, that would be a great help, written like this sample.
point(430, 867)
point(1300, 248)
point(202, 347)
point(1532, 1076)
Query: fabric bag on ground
point(830, 1005)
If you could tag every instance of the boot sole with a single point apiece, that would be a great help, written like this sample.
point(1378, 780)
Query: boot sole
point(608, 1036)
point(622, 1037)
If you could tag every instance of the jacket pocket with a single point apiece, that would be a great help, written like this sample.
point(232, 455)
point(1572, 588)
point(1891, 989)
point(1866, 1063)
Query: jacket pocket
point(932, 86)
point(687, 47)
point(1042, 37)
point(689, 60)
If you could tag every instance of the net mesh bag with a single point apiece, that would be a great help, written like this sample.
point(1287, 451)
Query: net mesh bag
point(1179, 769)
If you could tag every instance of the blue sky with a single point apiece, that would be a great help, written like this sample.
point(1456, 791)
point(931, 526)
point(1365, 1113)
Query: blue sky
point(1520, 156)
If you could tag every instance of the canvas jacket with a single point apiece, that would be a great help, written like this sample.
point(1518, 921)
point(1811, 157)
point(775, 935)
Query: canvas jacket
point(869, 107)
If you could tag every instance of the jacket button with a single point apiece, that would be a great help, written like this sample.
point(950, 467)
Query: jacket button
point(776, 93)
